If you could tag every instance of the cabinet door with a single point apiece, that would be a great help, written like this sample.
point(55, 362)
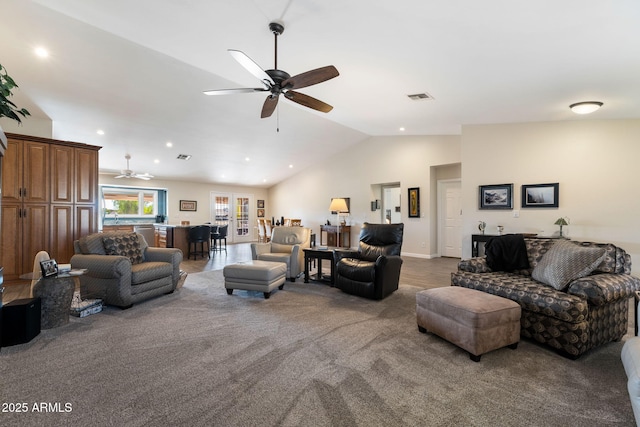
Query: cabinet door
point(61, 233)
point(35, 171)
point(86, 171)
point(11, 236)
point(61, 174)
point(12, 172)
point(35, 233)
point(86, 221)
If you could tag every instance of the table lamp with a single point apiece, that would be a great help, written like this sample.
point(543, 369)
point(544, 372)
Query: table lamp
point(561, 221)
point(338, 205)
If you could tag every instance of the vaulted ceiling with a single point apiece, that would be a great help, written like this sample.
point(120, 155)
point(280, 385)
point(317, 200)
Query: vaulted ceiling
point(137, 69)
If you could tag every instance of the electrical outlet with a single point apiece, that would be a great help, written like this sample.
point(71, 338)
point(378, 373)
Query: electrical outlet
point(516, 214)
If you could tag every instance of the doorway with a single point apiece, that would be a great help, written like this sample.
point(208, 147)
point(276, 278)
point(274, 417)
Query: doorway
point(391, 204)
point(233, 210)
point(450, 218)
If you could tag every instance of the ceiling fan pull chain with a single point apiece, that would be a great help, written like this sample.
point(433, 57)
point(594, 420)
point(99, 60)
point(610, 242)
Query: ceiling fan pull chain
point(278, 119)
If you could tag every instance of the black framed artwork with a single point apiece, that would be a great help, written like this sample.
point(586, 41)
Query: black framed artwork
point(541, 195)
point(499, 196)
point(188, 205)
point(414, 202)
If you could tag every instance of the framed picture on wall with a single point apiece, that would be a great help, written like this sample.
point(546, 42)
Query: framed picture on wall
point(498, 196)
point(414, 202)
point(188, 205)
point(260, 213)
point(540, 195)
point(260, 204)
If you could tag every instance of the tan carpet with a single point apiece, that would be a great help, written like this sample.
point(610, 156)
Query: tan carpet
point(310, 355)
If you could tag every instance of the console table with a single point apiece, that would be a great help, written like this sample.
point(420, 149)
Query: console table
point(477, 238)
point(332, 235)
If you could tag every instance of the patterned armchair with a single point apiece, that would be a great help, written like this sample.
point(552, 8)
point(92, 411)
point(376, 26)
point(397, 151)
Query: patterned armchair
point(122, 269)
point(588, 307)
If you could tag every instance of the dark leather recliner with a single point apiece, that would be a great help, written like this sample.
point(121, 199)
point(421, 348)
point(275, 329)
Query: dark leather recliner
point(373, 271)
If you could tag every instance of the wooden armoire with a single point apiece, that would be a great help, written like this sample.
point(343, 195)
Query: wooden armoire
point(49, 199)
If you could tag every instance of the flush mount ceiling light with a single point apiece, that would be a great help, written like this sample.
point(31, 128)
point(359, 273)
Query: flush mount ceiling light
point(585, 107)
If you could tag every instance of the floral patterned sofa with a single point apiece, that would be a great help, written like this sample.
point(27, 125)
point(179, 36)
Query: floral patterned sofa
point(588, 307)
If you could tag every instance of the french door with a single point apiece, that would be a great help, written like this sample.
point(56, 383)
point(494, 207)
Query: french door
point(234, 210)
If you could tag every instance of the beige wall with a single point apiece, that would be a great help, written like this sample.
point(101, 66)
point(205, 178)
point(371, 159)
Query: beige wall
point(358, 173)
point(31, 126)
point(595, 162)
point(182, 190)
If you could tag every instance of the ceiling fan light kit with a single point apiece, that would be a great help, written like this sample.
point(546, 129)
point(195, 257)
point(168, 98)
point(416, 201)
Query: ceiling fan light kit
point(280, 82)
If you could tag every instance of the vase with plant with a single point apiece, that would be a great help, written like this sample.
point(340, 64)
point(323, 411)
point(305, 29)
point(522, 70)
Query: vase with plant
point(7, 107)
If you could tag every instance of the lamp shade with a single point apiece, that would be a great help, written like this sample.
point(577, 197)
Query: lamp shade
point(338, 205)
point(561, 221)
point(585, 107)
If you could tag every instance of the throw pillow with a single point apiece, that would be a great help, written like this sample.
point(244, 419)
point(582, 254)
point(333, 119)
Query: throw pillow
point(565, 262)
point(126, 245)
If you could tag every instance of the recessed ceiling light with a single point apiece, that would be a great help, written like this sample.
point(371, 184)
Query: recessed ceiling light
point(290, 166)
point(246, 159)
point(169, 144)
point(41, 52)
point(100, 132)
point(585, 107)
point(156, 161)
point(401, 129)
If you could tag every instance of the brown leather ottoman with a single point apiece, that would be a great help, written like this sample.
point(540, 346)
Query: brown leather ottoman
point(475, 321)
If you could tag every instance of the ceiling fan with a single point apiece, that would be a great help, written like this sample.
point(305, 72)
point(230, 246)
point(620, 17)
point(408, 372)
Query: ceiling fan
point(128, 173)
point(279, 82)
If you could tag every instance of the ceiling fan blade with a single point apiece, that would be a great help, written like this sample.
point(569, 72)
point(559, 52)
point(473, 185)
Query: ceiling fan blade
point(252, 67)
point(121, 176)
point(308, 101)
point(312, 77)
point(233, 91)
point(269, 106)
point(146, 178)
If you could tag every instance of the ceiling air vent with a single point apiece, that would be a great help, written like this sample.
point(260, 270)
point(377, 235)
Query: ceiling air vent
point(184, 156)
point(420, 96)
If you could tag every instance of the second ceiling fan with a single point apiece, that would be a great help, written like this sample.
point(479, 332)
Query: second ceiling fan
point(279, 82)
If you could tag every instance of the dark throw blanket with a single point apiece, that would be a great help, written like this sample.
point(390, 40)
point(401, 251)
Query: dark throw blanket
point(507, 253)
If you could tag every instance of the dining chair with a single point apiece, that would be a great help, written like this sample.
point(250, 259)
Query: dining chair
point(199, 234)
point(268, 228)
point(220, 237)
point(262, 233)
point(212, 236)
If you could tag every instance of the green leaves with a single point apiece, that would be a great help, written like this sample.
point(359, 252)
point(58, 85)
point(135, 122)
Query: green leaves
point(8, 108)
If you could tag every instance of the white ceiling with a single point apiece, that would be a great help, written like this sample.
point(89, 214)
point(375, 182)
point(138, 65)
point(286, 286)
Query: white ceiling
point(137, 69)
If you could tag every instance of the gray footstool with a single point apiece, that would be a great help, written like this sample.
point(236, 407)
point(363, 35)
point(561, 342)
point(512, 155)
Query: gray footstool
point(475, 321)
point(262, 276)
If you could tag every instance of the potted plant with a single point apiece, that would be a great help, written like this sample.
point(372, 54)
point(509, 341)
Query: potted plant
point(8, 108)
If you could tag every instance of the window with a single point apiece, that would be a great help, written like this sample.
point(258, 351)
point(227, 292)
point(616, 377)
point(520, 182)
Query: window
point(122, 202)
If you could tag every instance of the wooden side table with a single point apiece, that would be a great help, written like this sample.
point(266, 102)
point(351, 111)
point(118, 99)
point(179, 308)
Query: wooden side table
point(332, 235)
point(318, 254)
